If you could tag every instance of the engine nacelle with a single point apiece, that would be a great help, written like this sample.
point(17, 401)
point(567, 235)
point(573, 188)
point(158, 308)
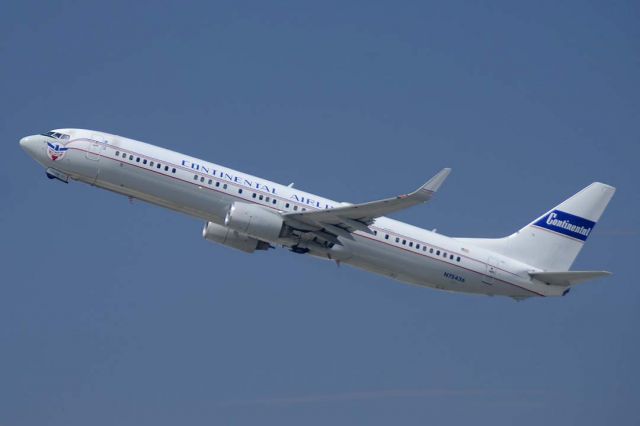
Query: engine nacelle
point(229, 237)
point(255, 221)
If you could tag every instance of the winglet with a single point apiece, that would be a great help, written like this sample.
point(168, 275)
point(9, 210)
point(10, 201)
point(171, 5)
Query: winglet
point(434, 183)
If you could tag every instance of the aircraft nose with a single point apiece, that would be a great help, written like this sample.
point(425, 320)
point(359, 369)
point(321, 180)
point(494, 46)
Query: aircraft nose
point(24, 141)
point(28, 143)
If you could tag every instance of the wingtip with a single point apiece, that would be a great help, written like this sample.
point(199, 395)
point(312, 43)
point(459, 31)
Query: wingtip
point(435, 182)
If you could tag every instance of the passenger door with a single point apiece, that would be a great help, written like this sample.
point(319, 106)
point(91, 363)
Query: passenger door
point(491, 271)
point(95, 148)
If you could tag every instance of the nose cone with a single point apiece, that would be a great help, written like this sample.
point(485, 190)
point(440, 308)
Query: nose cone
point(30, 145)
point(24, 141)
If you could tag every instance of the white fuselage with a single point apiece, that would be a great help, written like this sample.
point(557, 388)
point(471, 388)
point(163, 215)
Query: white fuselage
point(206, 190)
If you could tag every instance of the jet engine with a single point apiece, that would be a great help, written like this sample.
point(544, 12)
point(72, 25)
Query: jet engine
point(229, 237)
point(255, 221)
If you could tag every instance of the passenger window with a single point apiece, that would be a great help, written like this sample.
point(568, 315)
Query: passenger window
point(431, 250)
point(397, 240)
point(217, 184)
point(239, 190)
point(261, 197)
point(254, 195)
point(424, 248)
point(417, 246)
point(267, 199)
point(195, 177)
point(173, 170)
point(117, 153)
point(201, 177)
point(458, 259)
point(287, 205)
point(137, 159)
point(166, 169)
point(404, 242)
point(151, 163)
point(210, 181)
point(295, 207)
point(160, 165)
point(438, 253)
point(444, 255)
point(274, 201)
point(410, 243)
point(386, 237)
point(375, 232)
point(304, 209)
point(144, 161)
point(131, 157)
point(224, 186)
point(451, 257)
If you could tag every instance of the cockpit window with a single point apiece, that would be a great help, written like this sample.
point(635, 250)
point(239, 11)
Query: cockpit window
point(56, 135)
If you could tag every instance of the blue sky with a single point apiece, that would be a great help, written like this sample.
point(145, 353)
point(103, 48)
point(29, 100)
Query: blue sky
point(119, 313)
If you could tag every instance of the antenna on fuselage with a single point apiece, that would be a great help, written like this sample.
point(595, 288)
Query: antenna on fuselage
point(290, 185)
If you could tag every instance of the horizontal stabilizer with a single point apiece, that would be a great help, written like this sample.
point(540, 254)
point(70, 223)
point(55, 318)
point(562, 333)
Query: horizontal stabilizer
point(568, 278)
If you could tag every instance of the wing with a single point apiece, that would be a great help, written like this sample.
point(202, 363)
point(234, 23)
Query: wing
point(342, 221)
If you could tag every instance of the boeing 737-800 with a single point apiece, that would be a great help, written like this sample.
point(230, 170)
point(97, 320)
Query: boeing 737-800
point(249, 213)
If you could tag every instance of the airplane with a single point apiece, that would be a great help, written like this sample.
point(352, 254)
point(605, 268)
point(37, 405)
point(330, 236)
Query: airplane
point(250, 214)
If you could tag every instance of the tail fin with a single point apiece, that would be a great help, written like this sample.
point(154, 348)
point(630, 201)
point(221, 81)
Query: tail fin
point(552, 241)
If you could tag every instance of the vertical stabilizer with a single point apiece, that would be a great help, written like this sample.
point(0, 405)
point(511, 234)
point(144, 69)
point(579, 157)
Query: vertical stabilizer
point(552, 241)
